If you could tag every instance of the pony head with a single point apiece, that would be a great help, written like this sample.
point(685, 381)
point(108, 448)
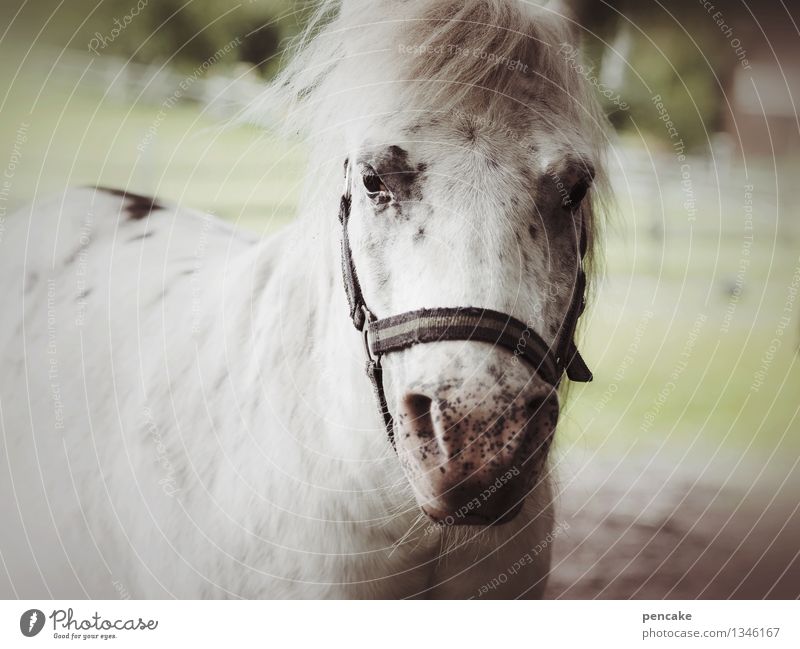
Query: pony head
point(474, 150)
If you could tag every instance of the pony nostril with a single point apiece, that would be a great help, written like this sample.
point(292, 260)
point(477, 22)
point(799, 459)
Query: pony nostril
point(416, 416)
point(535, 406)
point(543, 410)
point(417, 407)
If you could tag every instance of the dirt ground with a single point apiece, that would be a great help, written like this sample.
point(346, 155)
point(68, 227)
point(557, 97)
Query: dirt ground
point(644, 527)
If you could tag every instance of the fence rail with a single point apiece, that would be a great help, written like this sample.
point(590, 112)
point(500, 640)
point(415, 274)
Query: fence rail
point(223, 92)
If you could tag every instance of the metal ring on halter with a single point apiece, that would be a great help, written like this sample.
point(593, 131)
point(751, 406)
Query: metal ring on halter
point(368, 319)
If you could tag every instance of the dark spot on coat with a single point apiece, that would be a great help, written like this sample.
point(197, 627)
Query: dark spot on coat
point(383, 281)
point(70, 259)
point(160, 297)
point(31, 281)
point(137, 206)
point(84, 294)
point(530, 179)
point(532, 231)
point(218, 383)
point(419, 234)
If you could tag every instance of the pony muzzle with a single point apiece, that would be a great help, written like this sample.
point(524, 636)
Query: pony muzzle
point(473, 450)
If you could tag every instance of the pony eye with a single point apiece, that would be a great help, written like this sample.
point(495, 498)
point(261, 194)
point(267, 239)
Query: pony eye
point(374, 185)
point(577, 194)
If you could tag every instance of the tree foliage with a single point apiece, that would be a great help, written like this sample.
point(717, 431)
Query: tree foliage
point(183, 32)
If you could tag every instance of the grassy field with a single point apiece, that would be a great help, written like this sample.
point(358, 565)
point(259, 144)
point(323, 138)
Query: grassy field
point(670, 368)
point(77, 136)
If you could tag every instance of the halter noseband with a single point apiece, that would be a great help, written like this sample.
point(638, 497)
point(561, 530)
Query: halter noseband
point(398, 332)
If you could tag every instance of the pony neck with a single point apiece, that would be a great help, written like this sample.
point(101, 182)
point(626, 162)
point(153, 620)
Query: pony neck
point(321, 351)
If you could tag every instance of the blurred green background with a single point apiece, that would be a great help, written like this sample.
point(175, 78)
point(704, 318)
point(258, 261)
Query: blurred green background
point(675, 278)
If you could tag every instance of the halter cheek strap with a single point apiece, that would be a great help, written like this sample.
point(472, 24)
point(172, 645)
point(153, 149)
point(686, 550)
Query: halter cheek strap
point(398, 332)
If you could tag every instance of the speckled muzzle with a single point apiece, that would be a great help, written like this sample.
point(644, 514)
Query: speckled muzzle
point(474, 440)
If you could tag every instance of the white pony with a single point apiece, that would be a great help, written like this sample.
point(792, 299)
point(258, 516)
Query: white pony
point(184, 409)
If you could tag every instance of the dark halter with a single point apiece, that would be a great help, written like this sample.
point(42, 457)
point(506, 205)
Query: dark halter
point(398, 332)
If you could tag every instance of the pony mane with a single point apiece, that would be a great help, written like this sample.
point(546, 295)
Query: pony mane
point(481, 57)
point(440, 54)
